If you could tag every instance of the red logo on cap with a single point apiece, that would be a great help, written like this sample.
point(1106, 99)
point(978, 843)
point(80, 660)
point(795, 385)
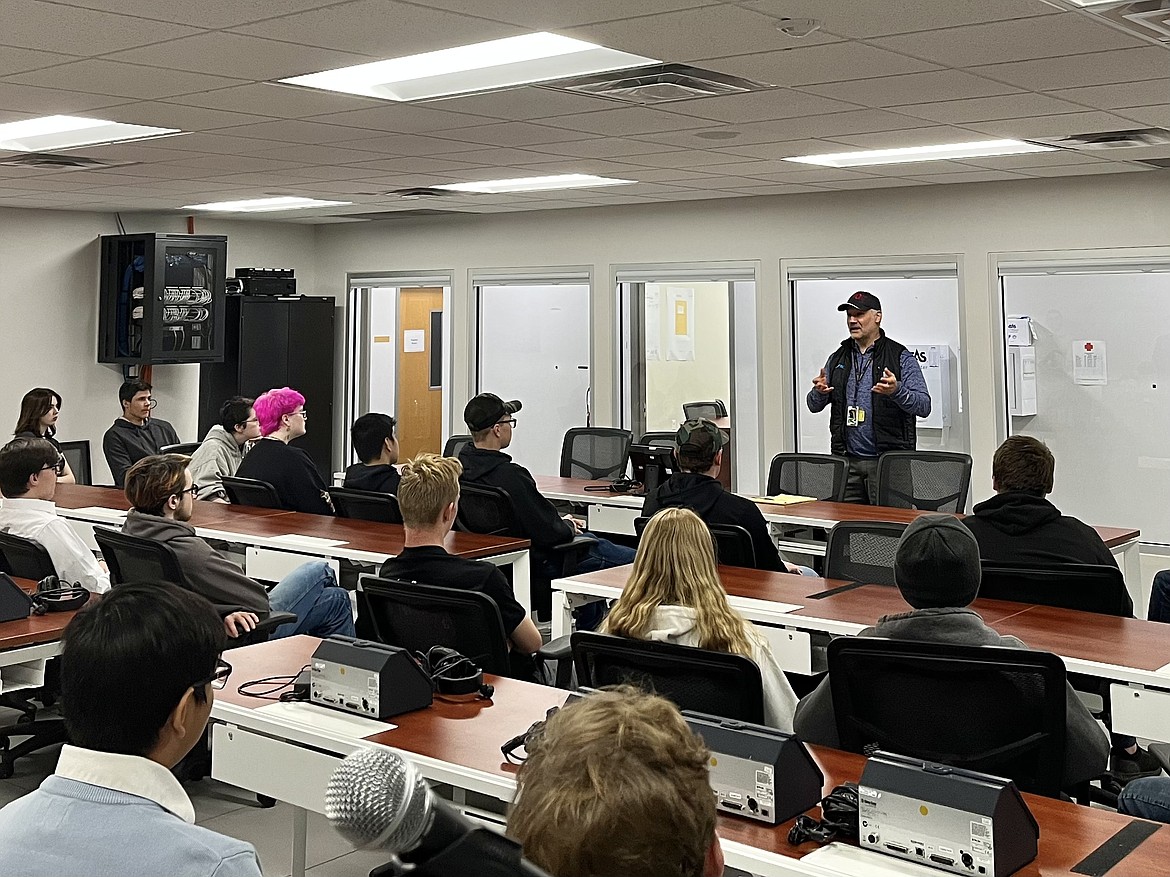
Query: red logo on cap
point(858, 294)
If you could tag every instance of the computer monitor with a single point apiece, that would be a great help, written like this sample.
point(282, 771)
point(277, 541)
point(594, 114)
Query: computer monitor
point(651, 465)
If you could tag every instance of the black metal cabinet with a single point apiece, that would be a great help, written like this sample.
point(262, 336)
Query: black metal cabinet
point(271, 343)
point(162, 298)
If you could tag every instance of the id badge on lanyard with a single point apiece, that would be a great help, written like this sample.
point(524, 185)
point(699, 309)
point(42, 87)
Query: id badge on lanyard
point(855, 414)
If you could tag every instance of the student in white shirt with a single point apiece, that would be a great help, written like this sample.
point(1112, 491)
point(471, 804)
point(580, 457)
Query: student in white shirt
point(29, 469)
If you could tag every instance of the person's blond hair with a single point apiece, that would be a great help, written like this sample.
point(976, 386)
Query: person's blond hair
point(429, 484)
point(616, 784)
point(675, 566)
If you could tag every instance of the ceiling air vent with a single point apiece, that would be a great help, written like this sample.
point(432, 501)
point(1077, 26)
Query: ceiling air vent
point(1110, 139)
point(1161, 163)
point(659, 84)
point(420, 193)
point(1148, 19)
point(49, 161)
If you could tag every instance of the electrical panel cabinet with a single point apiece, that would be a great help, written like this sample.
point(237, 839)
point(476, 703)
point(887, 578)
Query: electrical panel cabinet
point(162, 298)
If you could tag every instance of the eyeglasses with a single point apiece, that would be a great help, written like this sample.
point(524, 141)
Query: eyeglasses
point(193, 489)
point(58, 468)
point(218, 679)
point(511, 422)
point(304, 412)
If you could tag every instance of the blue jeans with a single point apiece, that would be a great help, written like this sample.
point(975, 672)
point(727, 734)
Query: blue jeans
point(603, 555)
point(1160, 598)
point(1146, 798)
point(311, 592)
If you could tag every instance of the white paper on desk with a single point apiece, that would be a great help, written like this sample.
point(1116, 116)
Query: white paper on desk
point(322, 718)
point(225, 535)
point(764, 606)
point(312, 541)
point(98, 512)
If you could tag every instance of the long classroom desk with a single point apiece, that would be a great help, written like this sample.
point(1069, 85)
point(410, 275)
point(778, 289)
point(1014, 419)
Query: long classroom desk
point(289, 754)
point(789, 610)
point(277, 541)
point(608, 512)
point(26, 643)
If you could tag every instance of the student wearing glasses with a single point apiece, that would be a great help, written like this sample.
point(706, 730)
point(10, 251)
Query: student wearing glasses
point(136, 434)
point(139, 672)
point(222, 449)
point(290, 470)
point(29, 469)
point(39, 410)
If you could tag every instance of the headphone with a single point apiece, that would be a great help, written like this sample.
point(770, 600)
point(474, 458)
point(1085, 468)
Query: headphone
point(52, 595)
point(453, 674)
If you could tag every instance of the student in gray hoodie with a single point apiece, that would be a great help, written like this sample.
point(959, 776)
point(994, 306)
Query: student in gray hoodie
point(222, 449)
point(937, 570)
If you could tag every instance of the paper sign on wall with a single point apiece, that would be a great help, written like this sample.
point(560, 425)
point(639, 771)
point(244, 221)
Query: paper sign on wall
point(1089, 363)
point(653, 324)
point(414, 340)
point(681, 301)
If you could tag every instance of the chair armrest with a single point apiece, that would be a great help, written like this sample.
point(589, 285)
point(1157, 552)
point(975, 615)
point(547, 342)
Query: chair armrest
point(556, 650)
point(572, 551)
point(273, 621)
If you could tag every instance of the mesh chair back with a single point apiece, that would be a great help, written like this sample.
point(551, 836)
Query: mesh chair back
point(486, 510)
point(455, 444)
point(733, 545)
point(416, 616)
point(934, 481)
point(366, 505)
point(595, 452)
point(186, 448)
point(984, 708)
point(250, 491)
point(705, 410)
point(821, 475)
point(863, 551)
point(716, 683)
point(1083, 586)
point(24, 558)
point(134, 559)
point(669, 439)
point(77, 453)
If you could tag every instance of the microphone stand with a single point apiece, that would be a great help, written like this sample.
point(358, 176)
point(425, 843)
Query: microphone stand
point(481, 852)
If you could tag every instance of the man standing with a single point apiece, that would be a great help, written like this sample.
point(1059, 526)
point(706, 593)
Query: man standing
point(135, 434)
point(876, 391)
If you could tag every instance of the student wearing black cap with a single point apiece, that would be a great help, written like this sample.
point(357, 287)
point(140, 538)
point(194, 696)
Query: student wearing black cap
point(876, 391)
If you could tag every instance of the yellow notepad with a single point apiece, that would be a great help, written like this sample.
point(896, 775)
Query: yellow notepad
point(783, 499)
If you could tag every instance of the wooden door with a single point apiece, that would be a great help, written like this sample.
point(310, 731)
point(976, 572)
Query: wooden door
point(420, 363)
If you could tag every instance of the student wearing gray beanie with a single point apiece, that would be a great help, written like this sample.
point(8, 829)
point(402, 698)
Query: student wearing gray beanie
point(937, 571)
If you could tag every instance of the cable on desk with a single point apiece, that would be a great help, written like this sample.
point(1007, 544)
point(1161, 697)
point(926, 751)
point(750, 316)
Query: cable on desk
point(839, 815)
point(274, 683)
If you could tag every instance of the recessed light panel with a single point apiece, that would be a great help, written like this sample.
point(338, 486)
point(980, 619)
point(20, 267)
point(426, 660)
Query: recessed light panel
point(536, 57)
point(534, 184)
point(976, 149)
point(52, 133)
point(265, 205)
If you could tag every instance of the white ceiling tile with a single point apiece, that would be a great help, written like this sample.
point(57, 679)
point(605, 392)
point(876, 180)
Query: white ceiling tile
point(500, 155)
point(1095, 68)
point(401, 118)
point(873, 183)
point(598, 167)
point(1069, 33)
point(815, 175)
point(407, 144)
point(1158, 116)
point(167, 115)
point(778, 189)
point(558, 14)
point(511, 134)
point(526, 103)
point(51, 27)
point(1059, 158)
point(379, 28)
point(212, 144)
point(931, 136)
point(683, 158)
point(224, 13)
point(835, 62)
point(981, 109)
point(52, 101)
point(325, 174)
point(760, 106)
point(239, 56)
point(782, 149)
point(1124, 94)
point(328, 154)
point(890, 91)
point(626, 121)
point(295, 131)
point(970, 177)
point(838, 124)
point(1061, 125)
point(13, 60)
point(1103, 167)
point(607, 147)
point(276, 100)
point(123, 80)
point(418, 164)
point(228, 163)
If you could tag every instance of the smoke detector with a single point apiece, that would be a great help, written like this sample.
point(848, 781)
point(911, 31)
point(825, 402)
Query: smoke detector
point(658, 84)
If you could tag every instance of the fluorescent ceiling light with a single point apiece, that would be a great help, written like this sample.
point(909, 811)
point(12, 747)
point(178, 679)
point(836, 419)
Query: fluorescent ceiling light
point(535, 184)
point(976, 149)
point(535, 57)
point(264, 205)
point(50, 133)
point(1096, 2)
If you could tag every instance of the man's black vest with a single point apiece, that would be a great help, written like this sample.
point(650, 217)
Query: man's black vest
point(893, 428)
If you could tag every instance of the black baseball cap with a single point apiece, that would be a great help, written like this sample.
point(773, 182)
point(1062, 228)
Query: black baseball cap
point(487, 409)
point(862, 301)
point(700, 438)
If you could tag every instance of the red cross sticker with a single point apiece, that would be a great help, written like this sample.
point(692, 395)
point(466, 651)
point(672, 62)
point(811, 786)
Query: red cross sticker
point(1088, 347)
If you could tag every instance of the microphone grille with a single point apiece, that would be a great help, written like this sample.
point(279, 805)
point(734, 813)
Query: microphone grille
point(377, 797)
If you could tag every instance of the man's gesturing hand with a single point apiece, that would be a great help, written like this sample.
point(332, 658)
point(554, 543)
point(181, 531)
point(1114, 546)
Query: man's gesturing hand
point(887, 385)
point(821, 385)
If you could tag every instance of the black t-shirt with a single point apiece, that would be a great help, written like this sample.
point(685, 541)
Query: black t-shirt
point(432, 565)
point(291, 471)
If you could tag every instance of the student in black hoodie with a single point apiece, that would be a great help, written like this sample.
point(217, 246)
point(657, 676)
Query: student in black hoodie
point(700, 455)
point(377, 448)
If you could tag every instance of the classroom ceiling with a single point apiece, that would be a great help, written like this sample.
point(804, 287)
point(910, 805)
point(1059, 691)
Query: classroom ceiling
point(876, 74)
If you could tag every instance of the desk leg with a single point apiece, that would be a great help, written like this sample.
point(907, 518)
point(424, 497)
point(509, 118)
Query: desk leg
point(1129, 558)
point(300, 840)
point(562, 615)
point(522, 580)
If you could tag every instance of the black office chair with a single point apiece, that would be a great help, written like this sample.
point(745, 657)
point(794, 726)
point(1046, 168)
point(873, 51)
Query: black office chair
point(818, 475)
point(595, 452)
point(365, 505)
point(933, 481)
point(1083, 586)
point(489, 510)
point(417, 616)
point(77, 454)
point(716, 683)
point(24, 558)
point(455, 444)
point(863, 551)
point(250, 491)
point(984, 708)
point(733, 543)
point(704, 410)
point(134, 559)
point(184, 448)
point(659, 438)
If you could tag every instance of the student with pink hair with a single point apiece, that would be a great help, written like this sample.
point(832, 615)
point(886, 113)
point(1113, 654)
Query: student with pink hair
point(290, 470)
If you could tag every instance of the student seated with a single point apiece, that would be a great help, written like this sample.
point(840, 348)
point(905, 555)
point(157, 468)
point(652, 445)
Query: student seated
point(674, 595)
point(136, 434)
point(29, 469)
point(377, 448)
point(937, 571)
point(699, 452)
point(222, 449)
point(290, 470)
point(428, 496)
point(161, 491)
point(616, 784)
point(39, 410)
point(138, 674)
point(1146, 798)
